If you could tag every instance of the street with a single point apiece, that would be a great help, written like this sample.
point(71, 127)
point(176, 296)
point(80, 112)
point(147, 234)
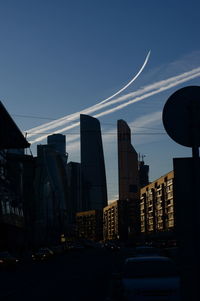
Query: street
point(76, 275)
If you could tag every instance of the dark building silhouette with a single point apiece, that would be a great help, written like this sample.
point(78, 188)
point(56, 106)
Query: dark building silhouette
point(51, 193)
point(74, 194)
point(11, 211)
point(58, 142)
point(21, 175)
point(10, 135)
point(94, 189)
point(128, 178)
point(143, 174)
point(12, 194)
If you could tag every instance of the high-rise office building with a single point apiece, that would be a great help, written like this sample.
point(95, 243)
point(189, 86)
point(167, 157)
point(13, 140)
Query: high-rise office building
point(143, 174)
point(58, 142)
point(127, 163)
point(74, 191)
point(94, 189)
point(128, 177)
point(51, 193)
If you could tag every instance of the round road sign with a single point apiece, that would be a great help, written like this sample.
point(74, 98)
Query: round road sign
point(181, 116)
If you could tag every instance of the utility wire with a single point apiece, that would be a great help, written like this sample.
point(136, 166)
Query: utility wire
point(31, 116)
point(104, 134)
point(72, 121)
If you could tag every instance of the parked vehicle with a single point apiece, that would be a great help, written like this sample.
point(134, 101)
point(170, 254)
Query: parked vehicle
point(173, 253)
point(111, 246)
point(26, 257)
point(8, 260)
point(58, 249)
point(42, 254)
point(147, 251)
point(150, 278)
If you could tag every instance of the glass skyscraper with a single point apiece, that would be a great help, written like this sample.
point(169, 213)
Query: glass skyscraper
point(94, 188)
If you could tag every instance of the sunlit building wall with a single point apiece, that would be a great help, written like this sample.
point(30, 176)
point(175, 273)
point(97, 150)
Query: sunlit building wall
point(111, 221)
point(157, 205)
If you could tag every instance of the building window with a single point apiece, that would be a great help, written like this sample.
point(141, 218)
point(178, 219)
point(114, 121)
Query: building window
point(170, 194)
point(3, 205)
point(171, 223)
point(169, 182)
point(159, 192)
point(7, 208)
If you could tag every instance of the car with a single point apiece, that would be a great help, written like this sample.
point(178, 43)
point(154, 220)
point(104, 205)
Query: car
point(89, 244)
point(111, 246)
point(26, 257)
point(77, 246)
point(57, 249)
point(150, 278)
point(172, 252)
point(8, 260)
point(145, 250)
point(42, 254)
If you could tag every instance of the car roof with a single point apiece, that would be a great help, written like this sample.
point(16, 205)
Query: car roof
point(145, 247)
point(147, 258)
point(4, 253)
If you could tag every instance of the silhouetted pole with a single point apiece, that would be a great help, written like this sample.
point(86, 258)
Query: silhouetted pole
point(195, 153)
point(181, 119)
point(193, 285)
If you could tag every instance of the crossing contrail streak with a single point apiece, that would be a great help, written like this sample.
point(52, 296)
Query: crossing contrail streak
point(158, 88)
point(68, 118)
point(139, 92)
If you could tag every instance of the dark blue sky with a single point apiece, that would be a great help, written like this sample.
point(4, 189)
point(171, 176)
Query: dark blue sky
point(59, 57)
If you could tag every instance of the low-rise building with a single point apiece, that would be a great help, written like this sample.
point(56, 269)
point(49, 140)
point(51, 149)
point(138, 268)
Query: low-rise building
point(111, 221)
point(117, 220)
point(90, 224)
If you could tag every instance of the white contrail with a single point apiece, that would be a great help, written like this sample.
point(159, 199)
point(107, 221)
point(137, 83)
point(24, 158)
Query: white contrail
point(68, 118)
point(126, 96)
point(126, 86)
point(159, 87)
point(159, 90)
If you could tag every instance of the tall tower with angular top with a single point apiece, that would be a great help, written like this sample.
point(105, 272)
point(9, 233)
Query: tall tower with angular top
point(128, 177)
point(127, 163)
point(94, 188)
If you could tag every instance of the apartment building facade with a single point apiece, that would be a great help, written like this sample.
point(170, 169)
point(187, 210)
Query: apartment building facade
point(116, 221)
point(157, 212)
point(90, 224)
point(111, 221)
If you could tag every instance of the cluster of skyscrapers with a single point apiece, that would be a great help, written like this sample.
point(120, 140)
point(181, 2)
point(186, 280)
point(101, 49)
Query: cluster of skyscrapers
point(44, 198)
